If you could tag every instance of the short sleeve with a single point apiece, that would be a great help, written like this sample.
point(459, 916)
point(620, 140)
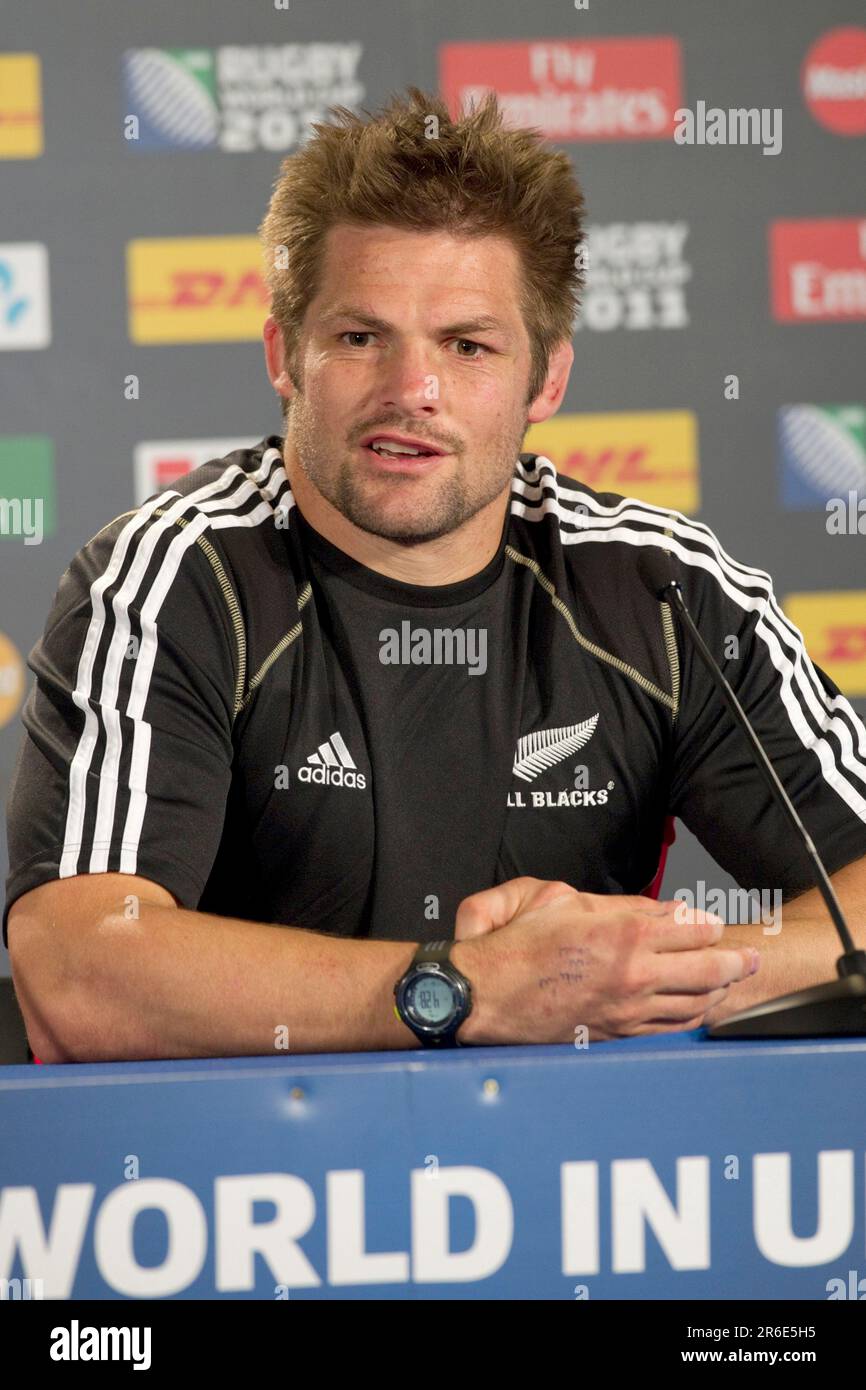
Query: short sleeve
point(810, 731)
point(126, 759)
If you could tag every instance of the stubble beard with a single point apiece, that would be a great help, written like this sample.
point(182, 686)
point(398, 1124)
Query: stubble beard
point(451, 503)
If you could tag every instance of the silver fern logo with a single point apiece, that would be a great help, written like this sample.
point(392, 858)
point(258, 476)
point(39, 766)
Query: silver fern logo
point(547, 747)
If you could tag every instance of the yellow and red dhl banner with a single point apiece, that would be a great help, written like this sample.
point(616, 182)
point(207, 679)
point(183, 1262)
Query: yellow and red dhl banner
point(195, 289)
point(833, 625)
point(648, 454)
point(20, 106)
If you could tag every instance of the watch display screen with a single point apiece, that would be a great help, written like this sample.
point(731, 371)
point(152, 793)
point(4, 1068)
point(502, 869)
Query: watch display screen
point(431, 999)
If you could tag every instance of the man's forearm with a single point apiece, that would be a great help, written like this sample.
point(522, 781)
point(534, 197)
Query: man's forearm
point(178, 983)
point(805, 956)
point(802, 952)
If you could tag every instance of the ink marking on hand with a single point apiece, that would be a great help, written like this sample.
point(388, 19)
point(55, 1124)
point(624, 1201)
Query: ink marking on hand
point(569, 975)
point(576, 960)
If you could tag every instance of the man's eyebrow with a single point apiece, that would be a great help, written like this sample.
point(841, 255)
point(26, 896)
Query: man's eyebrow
point(482, 323)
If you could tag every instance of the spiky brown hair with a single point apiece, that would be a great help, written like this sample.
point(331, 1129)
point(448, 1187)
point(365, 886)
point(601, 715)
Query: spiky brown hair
point(410, 165)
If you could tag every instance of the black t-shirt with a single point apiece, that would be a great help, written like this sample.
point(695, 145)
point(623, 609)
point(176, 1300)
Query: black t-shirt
point(229, 705)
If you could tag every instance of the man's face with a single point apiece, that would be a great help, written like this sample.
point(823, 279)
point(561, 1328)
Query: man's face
point(394, 343)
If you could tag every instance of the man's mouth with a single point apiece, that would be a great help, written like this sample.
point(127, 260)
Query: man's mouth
point(389, 446)
point(393, 454)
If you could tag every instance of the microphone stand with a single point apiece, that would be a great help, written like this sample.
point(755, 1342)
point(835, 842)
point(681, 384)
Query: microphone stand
point(835, 1009)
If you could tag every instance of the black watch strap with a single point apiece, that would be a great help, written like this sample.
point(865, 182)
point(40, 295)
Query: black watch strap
point(438, 951)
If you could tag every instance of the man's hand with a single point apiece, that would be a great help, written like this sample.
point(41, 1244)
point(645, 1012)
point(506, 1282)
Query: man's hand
point(546, 960)
point(495, 907)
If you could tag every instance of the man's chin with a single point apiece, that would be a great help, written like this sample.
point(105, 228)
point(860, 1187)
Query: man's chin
point(402, 532)
point(408, 521)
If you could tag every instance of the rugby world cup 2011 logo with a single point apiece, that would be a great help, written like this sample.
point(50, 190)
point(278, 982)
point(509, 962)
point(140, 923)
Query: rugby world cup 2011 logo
point(236, 97)
point(173, 95)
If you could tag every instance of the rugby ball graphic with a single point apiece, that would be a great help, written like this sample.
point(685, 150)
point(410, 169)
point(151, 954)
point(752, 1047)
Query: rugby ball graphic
point(821, 451)
point(166, 96)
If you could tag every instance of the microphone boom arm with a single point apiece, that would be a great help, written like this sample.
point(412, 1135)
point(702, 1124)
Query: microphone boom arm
point(853, 962)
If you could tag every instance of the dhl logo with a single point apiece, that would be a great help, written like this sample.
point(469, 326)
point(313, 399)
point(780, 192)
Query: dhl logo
point(20, 106)
point(195, 289)
point(833, 625)
point(651, 455)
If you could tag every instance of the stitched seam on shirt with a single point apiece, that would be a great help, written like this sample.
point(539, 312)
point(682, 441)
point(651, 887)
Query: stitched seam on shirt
point(231, 603)
point(284, 642)
point(592, 647)
point(670, 641)
point(669, 633)
point(234, 612)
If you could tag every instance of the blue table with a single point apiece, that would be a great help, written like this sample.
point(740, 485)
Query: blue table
point(669, 1167)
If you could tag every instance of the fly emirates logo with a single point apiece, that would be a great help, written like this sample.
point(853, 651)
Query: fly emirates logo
point(545, 748)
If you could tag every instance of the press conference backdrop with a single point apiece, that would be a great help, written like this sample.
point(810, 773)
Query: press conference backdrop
point(720, 347)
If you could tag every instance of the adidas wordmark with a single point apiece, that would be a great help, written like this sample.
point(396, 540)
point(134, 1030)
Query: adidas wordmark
point(332, 765)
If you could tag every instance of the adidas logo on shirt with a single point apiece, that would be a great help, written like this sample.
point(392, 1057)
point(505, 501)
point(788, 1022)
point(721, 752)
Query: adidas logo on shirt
point(332, 765)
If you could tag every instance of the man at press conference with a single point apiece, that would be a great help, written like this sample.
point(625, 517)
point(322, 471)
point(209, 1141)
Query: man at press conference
point(368, 737)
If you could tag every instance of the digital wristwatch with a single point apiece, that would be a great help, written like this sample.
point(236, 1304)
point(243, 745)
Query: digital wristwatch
point(433, 997)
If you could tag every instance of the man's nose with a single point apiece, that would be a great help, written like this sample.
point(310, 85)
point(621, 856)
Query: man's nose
point(408, 377)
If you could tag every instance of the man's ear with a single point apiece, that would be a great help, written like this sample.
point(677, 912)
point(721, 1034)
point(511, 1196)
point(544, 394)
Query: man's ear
point(549, 398)
point(275, 358)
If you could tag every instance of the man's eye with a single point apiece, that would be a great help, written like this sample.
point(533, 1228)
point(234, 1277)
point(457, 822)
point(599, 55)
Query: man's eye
point(461, 342)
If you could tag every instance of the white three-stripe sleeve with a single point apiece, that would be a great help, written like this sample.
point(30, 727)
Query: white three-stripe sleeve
point(813, 736)
point(125, 765)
